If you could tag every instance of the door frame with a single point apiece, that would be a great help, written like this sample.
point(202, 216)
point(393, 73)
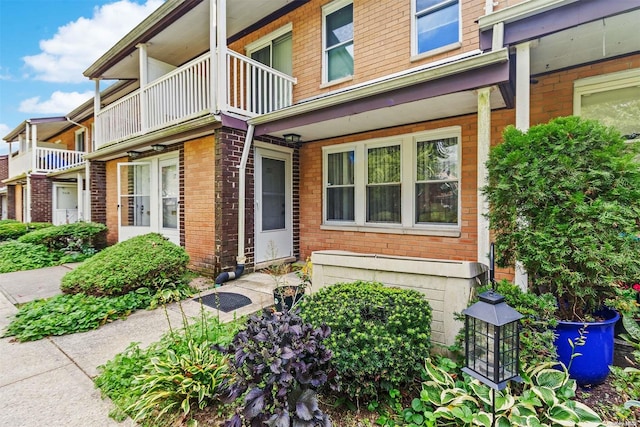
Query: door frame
point(54, 199)
point(262, 239)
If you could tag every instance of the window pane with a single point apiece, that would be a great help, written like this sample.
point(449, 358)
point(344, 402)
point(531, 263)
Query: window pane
point(340, 62)
point(340, 204)
point(437, 160)
point(438, 28)
point(383, 203)
point(383, 165)
point(340, 168)
point(273, 194)
point(340, 26)
point(423, 4)
point(619, 108)
point(283, 54)
point(437, 202)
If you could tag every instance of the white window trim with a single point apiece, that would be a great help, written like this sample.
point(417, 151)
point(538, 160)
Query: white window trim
point(415, 55)
point(603, 83)
point(408, 143)
point(268, 39)
point(327, 10)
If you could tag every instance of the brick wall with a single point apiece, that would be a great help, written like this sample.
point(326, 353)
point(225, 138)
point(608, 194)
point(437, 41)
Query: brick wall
point(198, 199)
point(98, 191)
point(382, 41)
point(4, 168)
point(41, 198)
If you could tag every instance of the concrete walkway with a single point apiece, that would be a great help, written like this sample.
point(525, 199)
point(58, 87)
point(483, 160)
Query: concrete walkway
point(49, 382)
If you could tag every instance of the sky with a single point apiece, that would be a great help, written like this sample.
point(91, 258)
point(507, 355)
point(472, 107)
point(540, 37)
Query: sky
point(45, 45)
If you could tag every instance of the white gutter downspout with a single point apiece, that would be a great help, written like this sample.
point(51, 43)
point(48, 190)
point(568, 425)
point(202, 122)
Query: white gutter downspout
point(86, 211)
point(242, 192)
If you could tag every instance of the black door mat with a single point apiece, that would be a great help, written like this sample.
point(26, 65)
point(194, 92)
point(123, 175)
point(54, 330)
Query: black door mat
point(224, 301)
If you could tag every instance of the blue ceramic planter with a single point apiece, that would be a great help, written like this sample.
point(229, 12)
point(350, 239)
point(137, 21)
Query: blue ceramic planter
point(592, 367)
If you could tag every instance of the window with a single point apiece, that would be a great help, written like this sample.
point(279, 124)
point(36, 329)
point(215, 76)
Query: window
point(436, 24)
point(274, 50)
point(613, 99)
point(407, 182)
point(80, 140)
point(338, 40)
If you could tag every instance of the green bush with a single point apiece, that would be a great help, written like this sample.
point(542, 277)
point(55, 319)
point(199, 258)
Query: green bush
point(148, 261)
point(82, 237)
point(18, 256)
point(12, 229)
point(8, 221)
point(380, 336)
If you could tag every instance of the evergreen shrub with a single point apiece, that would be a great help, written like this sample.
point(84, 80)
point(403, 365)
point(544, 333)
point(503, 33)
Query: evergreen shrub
point(77, 237)
point(149, 261)
point(380, 335)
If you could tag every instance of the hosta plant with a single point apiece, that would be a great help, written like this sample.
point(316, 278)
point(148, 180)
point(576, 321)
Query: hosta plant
point(279, 362)
point(543, 399)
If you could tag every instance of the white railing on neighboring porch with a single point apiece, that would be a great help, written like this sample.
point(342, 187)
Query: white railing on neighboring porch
point(186, 92)
point(46, 160)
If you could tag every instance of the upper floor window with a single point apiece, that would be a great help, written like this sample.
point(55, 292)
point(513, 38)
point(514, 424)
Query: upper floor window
point(613, 99)
point(274, 50)
point(337, 40)
point(407, 182)
point(436, 24)
point(80, 140)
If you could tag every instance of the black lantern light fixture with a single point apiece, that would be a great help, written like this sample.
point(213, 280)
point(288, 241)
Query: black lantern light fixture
point(492, 338)
point(292, 138)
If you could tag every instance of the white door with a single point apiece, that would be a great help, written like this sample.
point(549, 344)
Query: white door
point(134, 199)
point(169, 192)
point(273, 206)
point(65, 204)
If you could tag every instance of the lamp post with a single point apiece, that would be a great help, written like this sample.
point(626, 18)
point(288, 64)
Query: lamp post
point(492, 339)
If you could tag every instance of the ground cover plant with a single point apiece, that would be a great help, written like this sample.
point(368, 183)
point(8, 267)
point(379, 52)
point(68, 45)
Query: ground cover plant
point(160, 384)
point(149, 261)
point(18, 256)
point(67, 314)
point(380, 335)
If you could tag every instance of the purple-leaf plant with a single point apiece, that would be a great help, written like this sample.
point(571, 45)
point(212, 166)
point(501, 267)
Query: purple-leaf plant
point(279, 363)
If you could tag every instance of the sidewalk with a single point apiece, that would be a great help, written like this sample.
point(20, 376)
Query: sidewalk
point(49, 382)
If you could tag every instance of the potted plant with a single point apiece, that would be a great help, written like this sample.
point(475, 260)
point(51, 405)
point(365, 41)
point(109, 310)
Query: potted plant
point(564, 200)
point(286, 295)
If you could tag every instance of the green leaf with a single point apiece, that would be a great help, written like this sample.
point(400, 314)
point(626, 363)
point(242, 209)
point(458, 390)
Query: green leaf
point(547, 395)
point(551, 378)
point(562, 415)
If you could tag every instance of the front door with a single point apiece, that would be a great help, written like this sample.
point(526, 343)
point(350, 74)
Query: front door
point(134, 199)
point(273, 206)
point(65, 204)
point(169, 192)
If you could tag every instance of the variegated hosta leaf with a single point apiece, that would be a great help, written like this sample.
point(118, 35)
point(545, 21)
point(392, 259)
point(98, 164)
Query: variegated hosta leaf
point(431, 393)
point(482, 391)
point(524, 410)
point(503, 422)
point(562, 415)
point(482, 419)
point(547, 395)
point(551, 378)
point(438, 375)
point(533, 370)
point(587, 417)
point(632, 327)
point(504, 402)
point(451, 396)
point(444, 412)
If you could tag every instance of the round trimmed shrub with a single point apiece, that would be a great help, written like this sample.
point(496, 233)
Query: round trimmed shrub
point(149, 261)
point(380, 336)
point(78, 237)
point(13, 229)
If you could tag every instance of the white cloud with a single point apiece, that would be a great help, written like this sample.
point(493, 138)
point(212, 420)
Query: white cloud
point(78, 44)
point(4, 147)
point(58, 103)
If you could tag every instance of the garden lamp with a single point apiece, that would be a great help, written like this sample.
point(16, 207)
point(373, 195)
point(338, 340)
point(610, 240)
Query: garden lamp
point(492, 338)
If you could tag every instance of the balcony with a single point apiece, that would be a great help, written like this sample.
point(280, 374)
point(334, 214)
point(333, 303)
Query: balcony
point(189, 92)
point(46, 160)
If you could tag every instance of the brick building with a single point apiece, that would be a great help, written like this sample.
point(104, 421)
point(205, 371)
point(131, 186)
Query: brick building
point(4, 174)
point(352, 131)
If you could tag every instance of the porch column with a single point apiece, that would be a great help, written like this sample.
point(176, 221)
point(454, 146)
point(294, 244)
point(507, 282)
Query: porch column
point(144, 62)
point(221, 39)
point(484, 144)
point(523, 102)
point(96, 135)
point(80, 199)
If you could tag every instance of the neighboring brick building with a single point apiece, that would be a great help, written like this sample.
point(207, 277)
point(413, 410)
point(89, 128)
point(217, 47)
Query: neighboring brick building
point(354, 131)
point(4, 174)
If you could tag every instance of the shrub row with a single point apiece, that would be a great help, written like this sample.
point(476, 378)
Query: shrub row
point(77, 237)
point(11, 229)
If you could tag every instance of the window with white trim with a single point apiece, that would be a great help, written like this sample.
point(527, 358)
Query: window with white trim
point(406, 182)
point(80, 140)
point(337, 21)
point(613, 99)
point(436, 24)
point(274, 50)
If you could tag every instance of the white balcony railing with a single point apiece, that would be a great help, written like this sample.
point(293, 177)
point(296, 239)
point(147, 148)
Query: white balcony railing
point(185, 93)
point(46, 160)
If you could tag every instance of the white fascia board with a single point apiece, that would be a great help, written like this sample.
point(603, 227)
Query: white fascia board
point(520, 11)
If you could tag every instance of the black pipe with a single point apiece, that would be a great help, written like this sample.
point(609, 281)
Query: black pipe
point(226, 276)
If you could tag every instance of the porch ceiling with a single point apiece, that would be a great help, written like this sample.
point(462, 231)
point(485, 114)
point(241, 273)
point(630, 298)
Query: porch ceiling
point(177, 32)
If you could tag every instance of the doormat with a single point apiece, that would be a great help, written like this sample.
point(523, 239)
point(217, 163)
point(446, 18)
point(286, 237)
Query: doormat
point(224, 301)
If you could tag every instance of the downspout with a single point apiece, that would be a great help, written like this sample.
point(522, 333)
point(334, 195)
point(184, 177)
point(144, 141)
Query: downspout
point(240, 259)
